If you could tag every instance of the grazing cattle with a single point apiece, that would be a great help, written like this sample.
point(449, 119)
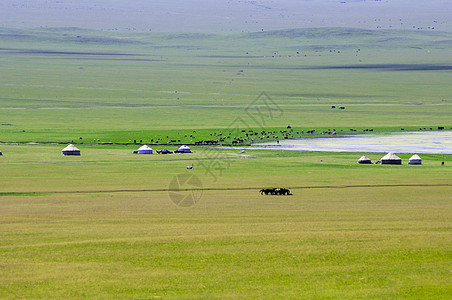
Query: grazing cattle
point(283, 191)
point(266, 191)
point(276, 191)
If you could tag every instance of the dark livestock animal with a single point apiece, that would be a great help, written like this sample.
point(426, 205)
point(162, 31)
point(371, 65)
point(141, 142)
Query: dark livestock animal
point(284, 192)
point(266, 191)
point(275, 191)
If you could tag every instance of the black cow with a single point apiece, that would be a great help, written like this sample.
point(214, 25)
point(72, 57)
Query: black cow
point(276, 191)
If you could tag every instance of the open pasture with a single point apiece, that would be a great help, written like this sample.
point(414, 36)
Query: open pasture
point(60, 84)
point(101, 225)
point(116, 168)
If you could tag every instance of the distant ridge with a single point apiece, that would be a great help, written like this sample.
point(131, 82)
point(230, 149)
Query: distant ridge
point(321, 38)
point(315, 32)
point(65, 34)
point(338, 32)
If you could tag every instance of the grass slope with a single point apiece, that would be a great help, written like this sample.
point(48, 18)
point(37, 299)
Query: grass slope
point(61, 84)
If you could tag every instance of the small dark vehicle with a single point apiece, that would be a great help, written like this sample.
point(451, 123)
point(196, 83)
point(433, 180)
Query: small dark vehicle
point(164, 151)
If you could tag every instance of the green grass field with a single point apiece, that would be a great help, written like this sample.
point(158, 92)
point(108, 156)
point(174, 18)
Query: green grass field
point(61, 84)
point(81, 236)
point(104, 225)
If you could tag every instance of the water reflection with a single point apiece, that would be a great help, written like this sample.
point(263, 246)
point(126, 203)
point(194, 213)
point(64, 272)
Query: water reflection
point(408, 142)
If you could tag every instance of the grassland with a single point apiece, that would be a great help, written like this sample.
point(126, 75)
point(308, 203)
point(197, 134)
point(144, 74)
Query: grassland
point(103, 225)
point(59, 85)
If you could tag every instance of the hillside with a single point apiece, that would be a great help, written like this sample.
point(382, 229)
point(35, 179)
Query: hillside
point(118, 84)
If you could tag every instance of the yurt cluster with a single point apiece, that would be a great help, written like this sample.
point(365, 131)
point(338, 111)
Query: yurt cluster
point(391, 159)
point(388, 159)
point(71, 150)
point(145, 149)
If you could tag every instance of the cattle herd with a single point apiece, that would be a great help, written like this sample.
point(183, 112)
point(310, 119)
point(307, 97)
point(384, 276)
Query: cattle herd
point(275, 191)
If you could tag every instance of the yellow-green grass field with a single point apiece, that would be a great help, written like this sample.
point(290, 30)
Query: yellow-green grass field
point(105, 224)
point(102, 225)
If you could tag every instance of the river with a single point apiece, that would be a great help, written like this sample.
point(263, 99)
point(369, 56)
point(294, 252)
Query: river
point(437, 142)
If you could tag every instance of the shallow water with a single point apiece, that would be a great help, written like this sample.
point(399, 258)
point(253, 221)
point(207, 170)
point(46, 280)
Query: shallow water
point(407, 142)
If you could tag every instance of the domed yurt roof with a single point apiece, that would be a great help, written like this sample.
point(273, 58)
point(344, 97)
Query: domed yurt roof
point(70, 150)
point(71, 147)
point(415, 160)
point(391, 158)
point(145, 149)
point(364, 160)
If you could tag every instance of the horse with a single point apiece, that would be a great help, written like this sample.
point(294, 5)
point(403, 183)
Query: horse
point(266, 191)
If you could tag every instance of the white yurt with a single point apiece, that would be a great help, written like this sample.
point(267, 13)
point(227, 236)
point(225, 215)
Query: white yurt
point(391, 159)
point(183, 149)
point(70, 150)
point(415, 160)
point(145, 149)
point(365, 160)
